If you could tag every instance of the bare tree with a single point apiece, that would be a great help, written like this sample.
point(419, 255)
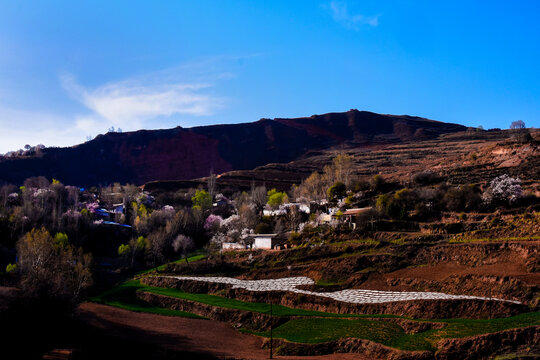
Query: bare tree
point(212, 186)
point(518, 124)
point(248, 217)
point(293, 217)
point(343, 165)
point(259, 198)
point(183, 244)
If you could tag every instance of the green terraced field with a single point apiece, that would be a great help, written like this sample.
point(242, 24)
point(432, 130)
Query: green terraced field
point(316, 326)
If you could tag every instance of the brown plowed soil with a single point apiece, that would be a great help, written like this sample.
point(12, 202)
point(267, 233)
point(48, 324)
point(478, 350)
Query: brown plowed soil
point(198, 336)
point(440, 272)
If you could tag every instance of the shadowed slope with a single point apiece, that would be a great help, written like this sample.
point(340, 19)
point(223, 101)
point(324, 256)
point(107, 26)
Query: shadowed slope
point(179, 154)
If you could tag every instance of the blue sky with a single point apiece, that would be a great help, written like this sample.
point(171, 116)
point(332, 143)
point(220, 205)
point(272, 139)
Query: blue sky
point(72, 69)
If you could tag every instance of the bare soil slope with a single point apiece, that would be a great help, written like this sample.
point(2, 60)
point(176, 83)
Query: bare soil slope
point(205, 337)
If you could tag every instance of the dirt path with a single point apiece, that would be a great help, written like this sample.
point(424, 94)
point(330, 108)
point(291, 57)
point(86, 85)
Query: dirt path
point(205, 337)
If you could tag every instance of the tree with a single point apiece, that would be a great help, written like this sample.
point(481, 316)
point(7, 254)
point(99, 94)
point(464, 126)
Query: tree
point(293, 217)
point(248, 216)
point(276, 198)
point(202, 200)
point(343, 168)
point(212, 186)
point(312, 187)
point(518, 124)
point(47, 268)
point(259, 198)
point(183, 244)
point(503, 189)
point(336, 191)
point(133, 249)
point(212, 223)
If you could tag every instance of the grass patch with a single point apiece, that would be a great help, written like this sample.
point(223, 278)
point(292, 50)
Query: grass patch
point(329, 282)
point(466, 327)
point(355, 242)
point(319, 330)
point(399, 241)
point(467, 240)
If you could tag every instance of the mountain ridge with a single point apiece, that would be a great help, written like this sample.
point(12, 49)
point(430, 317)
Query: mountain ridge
point(187, 153)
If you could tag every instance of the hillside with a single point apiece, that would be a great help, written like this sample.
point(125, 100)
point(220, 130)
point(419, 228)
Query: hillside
point(460, 157)
point(188, 153)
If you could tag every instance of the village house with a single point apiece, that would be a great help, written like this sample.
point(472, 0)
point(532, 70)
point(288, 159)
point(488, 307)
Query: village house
point(264, 241)
point(354, 216)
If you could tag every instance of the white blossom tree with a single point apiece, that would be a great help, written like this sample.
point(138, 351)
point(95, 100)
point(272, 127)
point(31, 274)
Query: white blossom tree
point(503, 189)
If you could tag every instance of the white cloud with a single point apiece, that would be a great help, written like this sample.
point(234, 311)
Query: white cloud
point(32, 127)
point(340, 14)
point(131, 103)
point(149, 100)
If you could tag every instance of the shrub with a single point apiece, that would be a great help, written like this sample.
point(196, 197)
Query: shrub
point(263, 228)
point(382, 203)
point(462, 198)
point(295, 238)
point(123, 250)
point(61, 240)
point(377, 183)
point(11, 268)
point(425, 178)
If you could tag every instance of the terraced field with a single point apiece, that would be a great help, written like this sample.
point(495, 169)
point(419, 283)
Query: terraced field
point(354, 296)
point(315, 327)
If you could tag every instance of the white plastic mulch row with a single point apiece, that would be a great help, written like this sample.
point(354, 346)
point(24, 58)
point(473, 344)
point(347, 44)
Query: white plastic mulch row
point(354, 296)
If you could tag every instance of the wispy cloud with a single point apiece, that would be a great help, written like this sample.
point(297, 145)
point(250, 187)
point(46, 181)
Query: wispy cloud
point(156, 99)
point(21, 127)
point(129, 104)
point(340, 13)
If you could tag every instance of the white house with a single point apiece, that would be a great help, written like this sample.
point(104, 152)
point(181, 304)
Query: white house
point(264, 241)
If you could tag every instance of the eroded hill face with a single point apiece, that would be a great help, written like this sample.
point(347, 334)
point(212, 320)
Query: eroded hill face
point(459, 158)
point(180, 154)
